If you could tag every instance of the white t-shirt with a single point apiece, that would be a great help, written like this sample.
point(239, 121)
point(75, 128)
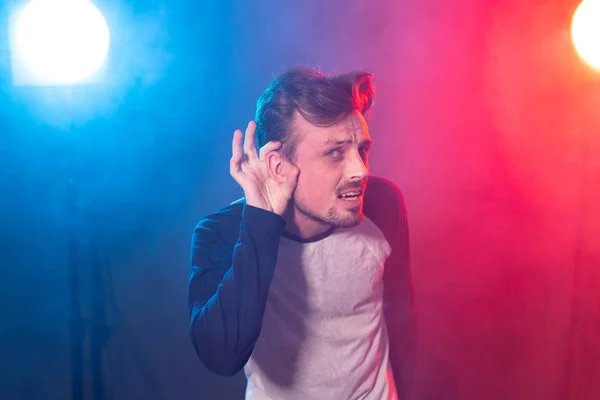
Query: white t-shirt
point(323, 334)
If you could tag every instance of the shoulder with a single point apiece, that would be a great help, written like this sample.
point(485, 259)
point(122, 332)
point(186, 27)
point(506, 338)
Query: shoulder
point(384, 205)
point(222, 222)
point(383, 192)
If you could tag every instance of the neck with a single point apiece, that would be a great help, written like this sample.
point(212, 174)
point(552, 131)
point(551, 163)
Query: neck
point(301, 225)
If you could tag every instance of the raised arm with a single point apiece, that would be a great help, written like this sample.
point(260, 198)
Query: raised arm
point(233, 262)
point(229, 285)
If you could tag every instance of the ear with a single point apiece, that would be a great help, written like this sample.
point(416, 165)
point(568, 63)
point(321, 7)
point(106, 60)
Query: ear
point(279, 167)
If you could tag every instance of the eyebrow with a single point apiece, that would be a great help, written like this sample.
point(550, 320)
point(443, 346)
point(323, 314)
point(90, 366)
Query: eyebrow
point(365, 142)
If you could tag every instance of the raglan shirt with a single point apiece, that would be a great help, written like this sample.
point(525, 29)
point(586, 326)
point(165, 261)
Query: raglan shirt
point(330, 317)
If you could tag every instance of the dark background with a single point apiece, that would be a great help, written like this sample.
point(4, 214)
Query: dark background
point(485, 117)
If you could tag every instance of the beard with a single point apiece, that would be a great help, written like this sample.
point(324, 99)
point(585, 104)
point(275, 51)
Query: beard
point(339, 218)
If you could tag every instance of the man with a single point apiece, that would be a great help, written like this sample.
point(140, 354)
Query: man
point(292, 283)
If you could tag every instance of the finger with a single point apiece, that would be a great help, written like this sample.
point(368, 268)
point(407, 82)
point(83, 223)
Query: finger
point(237, 154)
point(249, 141)
point(267, 148)
point(236, 144)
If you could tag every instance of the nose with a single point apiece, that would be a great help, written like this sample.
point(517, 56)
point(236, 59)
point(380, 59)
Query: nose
point(358, 168)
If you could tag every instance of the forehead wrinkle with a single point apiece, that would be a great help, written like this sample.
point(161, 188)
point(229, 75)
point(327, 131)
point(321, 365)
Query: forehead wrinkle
point(356, 129)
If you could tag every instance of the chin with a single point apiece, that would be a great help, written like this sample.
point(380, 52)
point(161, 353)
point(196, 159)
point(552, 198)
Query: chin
point(340, 217)
point(348, 218)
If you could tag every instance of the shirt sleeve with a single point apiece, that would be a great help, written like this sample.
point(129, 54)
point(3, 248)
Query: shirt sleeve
point(384, 205)
point(232, 265)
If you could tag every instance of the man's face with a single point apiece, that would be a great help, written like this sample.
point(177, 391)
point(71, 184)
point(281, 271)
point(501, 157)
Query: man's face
point(333, 170)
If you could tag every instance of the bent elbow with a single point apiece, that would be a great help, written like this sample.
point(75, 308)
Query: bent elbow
point(223, 368)
point(214, 353)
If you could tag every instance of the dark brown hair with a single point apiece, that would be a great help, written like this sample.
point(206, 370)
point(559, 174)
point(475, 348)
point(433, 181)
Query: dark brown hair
point(321, 100)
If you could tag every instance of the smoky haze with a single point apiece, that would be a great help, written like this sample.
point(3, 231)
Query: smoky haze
point(484, 117)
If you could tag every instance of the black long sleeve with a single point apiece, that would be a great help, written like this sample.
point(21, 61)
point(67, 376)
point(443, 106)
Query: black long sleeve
point(384, 204)
point(234, 253)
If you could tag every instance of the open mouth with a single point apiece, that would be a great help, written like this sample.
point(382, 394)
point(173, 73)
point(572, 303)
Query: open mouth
point(350, 196)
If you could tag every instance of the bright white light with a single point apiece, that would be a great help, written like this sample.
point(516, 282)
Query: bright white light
point(585, 31)
point(61, 41)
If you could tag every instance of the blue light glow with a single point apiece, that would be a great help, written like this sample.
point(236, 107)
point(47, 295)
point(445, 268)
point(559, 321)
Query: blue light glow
point(61, 41)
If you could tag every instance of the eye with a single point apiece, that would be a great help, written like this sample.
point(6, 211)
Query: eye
point(333, 153)
point(364, 152)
